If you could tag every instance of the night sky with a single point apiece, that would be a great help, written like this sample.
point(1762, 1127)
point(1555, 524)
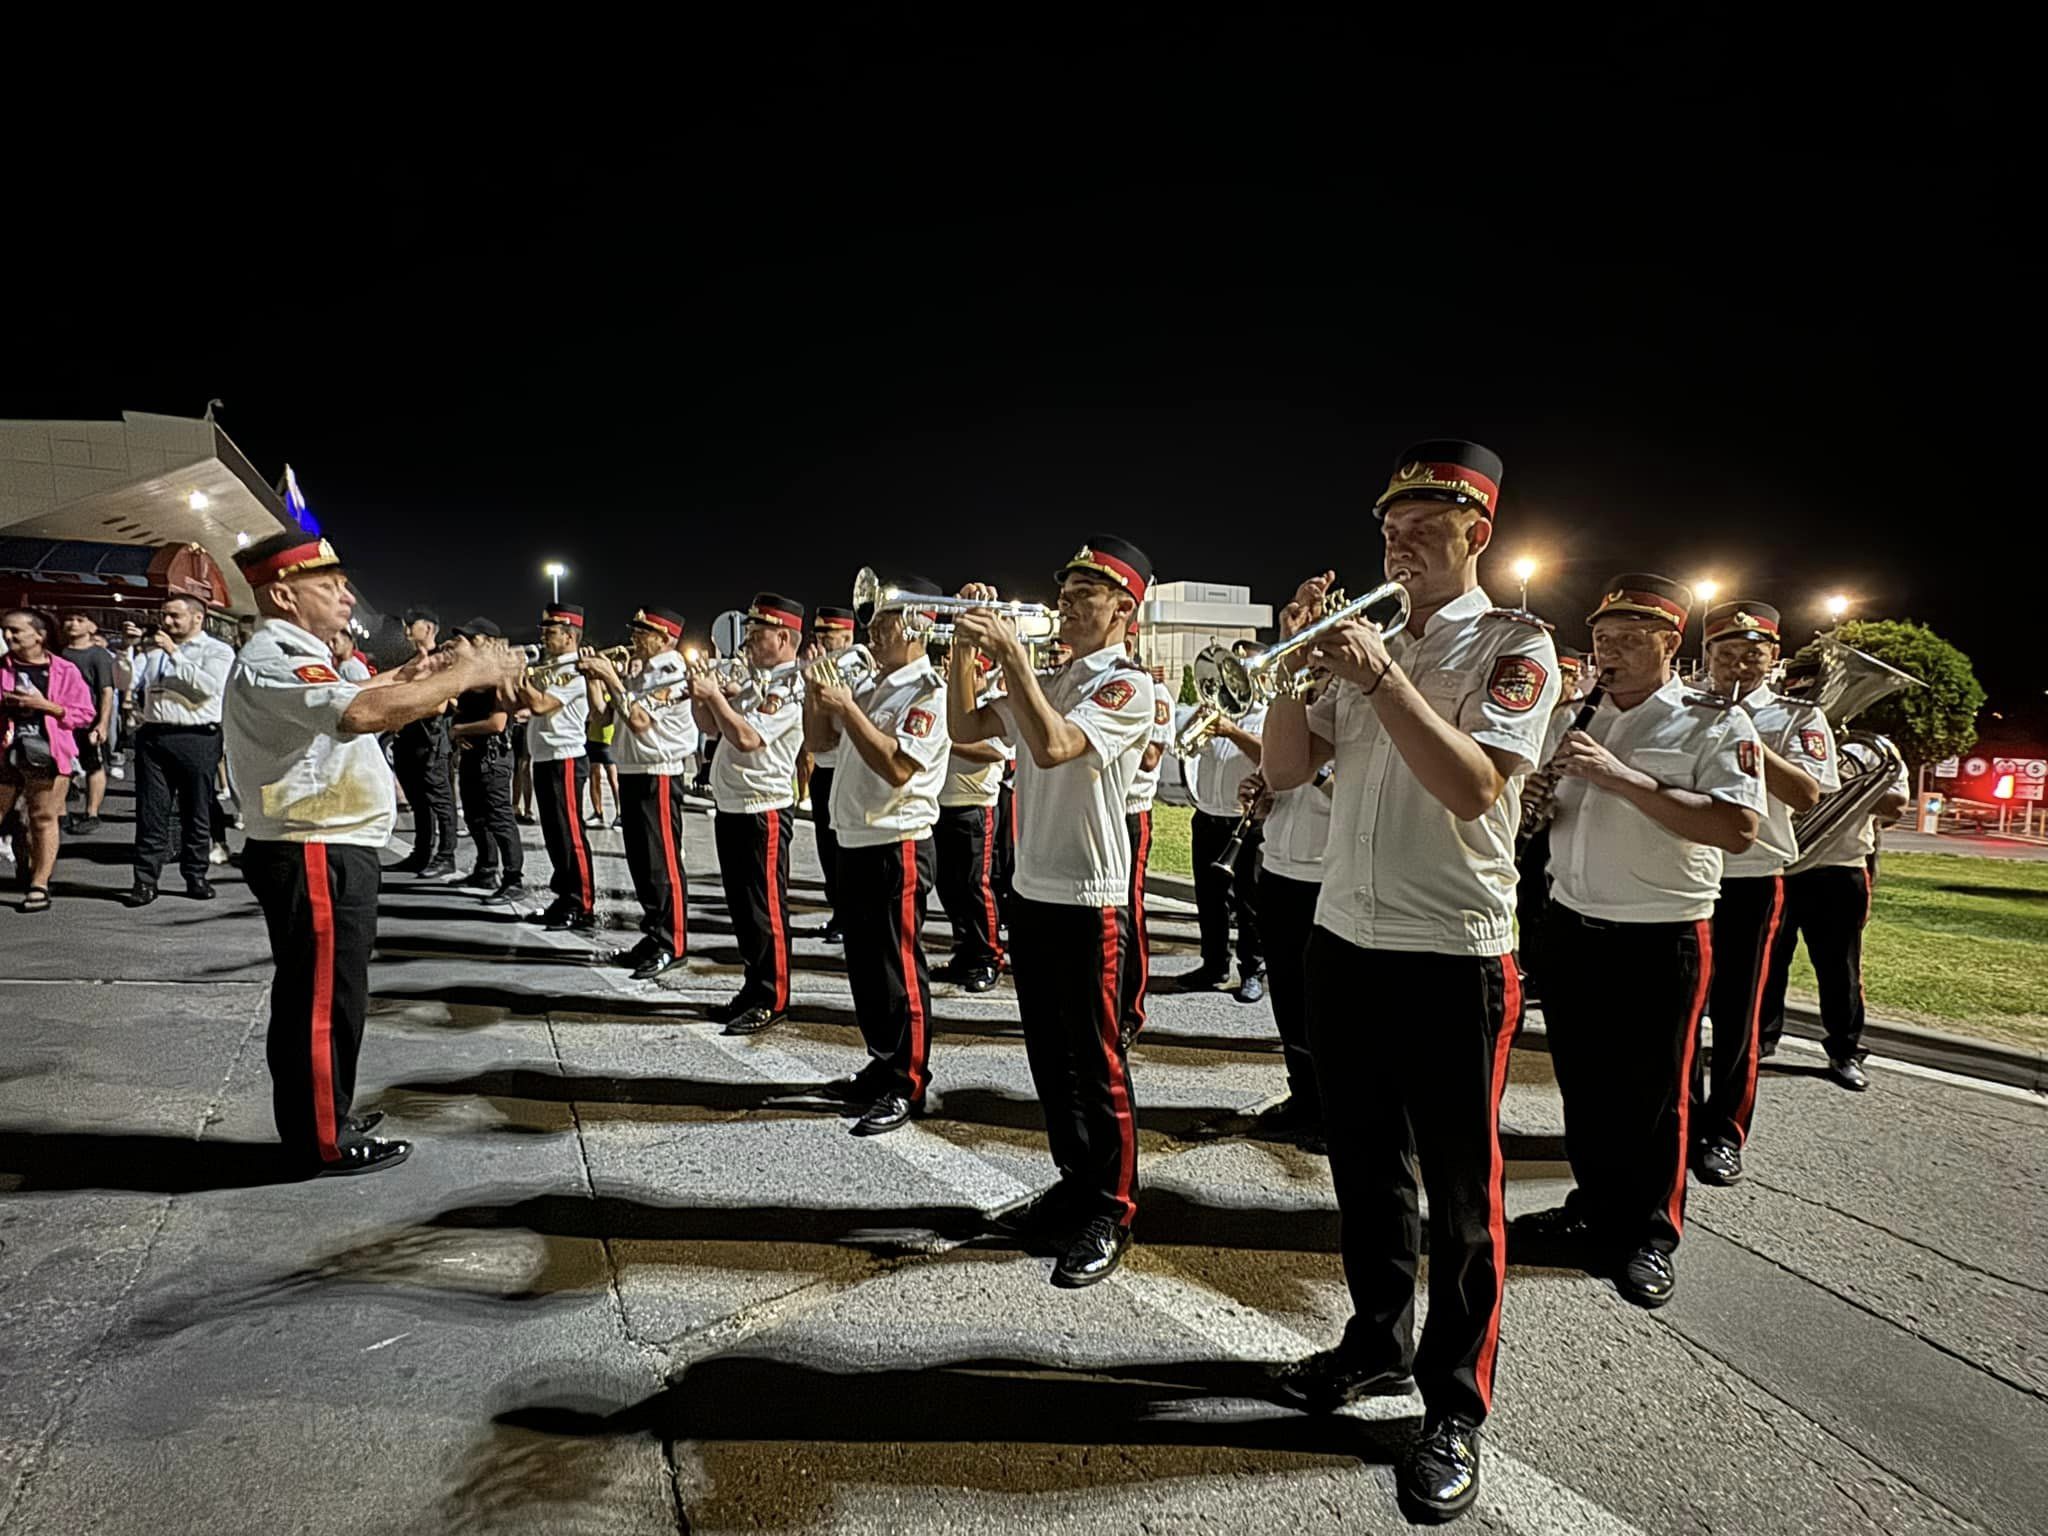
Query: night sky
point(740, 312)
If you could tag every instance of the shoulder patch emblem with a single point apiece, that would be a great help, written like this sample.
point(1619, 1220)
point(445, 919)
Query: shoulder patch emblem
point(919, 723)
point(1745, 757)
point(1115, 694)
point(316, 672)
point(1814, 744)
point(1517, 682)
point(1162, 712)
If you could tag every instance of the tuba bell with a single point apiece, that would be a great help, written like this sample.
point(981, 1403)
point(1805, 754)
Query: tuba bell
point(1841, 682)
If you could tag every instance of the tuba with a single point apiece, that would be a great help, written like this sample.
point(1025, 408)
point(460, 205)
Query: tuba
point(1841, 682)
point(1217, 702)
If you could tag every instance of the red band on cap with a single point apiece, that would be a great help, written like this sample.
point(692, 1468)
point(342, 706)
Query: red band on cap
point(1123, 574)
point(673, 631)
point(266, 571)
point(779, 616)
point(1461, 479)
point(556, 616)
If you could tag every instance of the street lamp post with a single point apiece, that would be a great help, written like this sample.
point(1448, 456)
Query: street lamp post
point(1524, 568)
point(554, 570)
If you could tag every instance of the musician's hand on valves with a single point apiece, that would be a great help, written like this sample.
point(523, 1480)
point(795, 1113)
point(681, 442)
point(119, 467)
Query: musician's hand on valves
point(979, 591)
point(591, 664)
point(834, 698)
point(1353, 651)
point(1579, 756)
point(705, 688)
point(993, 635)
point(1308, 599)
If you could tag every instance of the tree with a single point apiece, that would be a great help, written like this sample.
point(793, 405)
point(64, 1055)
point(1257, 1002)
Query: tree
point(1187, 686)
point(1926, 724)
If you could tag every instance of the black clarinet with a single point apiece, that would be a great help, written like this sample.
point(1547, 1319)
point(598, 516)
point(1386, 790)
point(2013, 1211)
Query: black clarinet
point(1547, 774)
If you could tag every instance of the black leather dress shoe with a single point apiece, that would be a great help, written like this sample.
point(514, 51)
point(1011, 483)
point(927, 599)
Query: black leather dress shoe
point(1719, 1162)
point(200, 890)
point(1648, 1277)
point(138, 895)
point(1201, 979)
point(660, 963)
point(1093, 1255)
point(1252, 988)
point(982, 978)
point(1048, 1218)
point(1561, 1233)
point(366, 1156)
point(362, 1125)
point(573, 918)
point(1438, 1477)
point(833, 934)
point(1847, 1074)
point(888, 1113)
point(726, 1012)
point(753, 1021)
point(1330, 1378)
point(631, 959)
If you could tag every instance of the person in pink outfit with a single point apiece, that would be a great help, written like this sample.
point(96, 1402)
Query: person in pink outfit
point(43, 700)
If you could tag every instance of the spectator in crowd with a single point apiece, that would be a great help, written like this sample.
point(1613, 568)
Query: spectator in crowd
point(44, 702)
point(347, 661)
point(604, 770)
point(86, 651)
point(179, 683)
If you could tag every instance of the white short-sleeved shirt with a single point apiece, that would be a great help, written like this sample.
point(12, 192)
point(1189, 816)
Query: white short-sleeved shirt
point(302, 777)
point(867, 810)
point(1799, 733)
point(969, 785)
point(1609, 860)
point(355, 669)
point(1401, 871)
point(1071, 845)
point(1145, 782)
point(188, 688)
point(1221, 766)
point(1858, 852)
point(565, 732)
point(662, 688)
point(744, 783)
point(1298, 830)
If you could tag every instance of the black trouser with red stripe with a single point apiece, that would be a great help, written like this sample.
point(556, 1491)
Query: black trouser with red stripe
point(1621, 1006)
point(892, 987)
point(1724, 1084)
point(827, 839)
point(651, 816)
point(1830, 906)
point(1223, 894)
point(753, 866)
point(1068, 962)
point(319, 901)
point(964, 842)
point(1287, 918)
point(1417, 1045)
point(558, 797)
point(1138, 974)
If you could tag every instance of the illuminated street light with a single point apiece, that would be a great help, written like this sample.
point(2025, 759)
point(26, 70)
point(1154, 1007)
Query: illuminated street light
point(1707, 589)
point(1524, 568)
point(198, 501)
point(554, 570)
point(1837, 606)
point(241, 541)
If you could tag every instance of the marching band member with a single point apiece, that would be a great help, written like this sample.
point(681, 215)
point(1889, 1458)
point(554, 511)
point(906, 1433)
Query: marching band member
point(558, 735)
point(759, 730)
point(1079, 736)
point(317, 797)
point(885, 793)
point(420, 753)
point(1659, 786)
point(483, 768)
point(653, 741)
point(1413, 1000)
point(1138, 826)
point(1297, 830)
point(1230, 753)
point(967, 842)
point(1798, 755)
point(832, 631)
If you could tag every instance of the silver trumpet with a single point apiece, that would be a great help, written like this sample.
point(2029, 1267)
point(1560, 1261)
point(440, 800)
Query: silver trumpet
point(1279, 669)
point(844, 669)
point(1035, 622)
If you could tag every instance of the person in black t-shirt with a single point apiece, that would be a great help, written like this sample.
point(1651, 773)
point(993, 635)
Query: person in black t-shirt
point(483, 767)
point(96, 665)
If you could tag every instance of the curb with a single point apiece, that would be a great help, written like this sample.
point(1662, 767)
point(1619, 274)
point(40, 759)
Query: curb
point(2011, 1065)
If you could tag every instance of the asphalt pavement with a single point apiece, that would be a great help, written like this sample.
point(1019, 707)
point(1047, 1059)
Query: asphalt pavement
point(634, 1280)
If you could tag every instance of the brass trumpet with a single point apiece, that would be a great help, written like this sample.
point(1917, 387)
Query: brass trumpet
point(1218, 703)
point(841, 669)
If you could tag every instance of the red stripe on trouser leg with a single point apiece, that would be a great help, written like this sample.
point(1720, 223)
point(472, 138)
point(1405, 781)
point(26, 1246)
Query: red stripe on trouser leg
point(778, 936)
point(573, 809)
point(906, 936)
point(1496, 1175)
point(321, 904)
point(676, 893)
point(1703, 933)
point(1745, 1107)
point(988, 889)
point(1140, 856)
point(1119, 1082)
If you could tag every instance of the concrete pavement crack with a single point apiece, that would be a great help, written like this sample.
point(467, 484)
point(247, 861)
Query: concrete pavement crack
point(1869, 1311)
point(1912, 1242)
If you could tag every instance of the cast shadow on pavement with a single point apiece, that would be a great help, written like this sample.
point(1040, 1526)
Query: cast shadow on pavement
point(51, 1158)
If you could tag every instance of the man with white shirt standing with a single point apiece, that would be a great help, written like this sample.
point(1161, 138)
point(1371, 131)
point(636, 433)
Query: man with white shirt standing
point(1224, 895)
point(1413, 996)
point(890, 736)
point(179, 680)
point(1079, 735)
point(1651, 796)
point(1799, 767)
point(558, 737)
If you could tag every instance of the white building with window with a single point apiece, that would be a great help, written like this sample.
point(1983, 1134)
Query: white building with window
point(1181, 617)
